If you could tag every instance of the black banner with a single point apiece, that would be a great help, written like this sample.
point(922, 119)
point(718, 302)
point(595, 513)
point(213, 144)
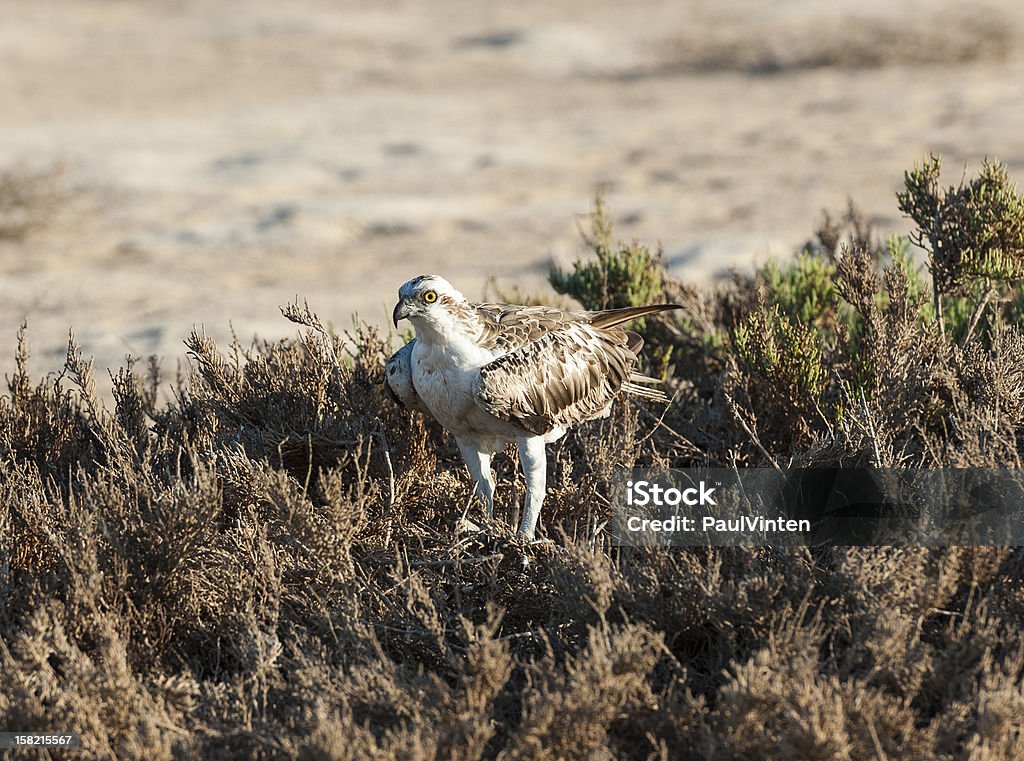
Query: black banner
point(819, 506)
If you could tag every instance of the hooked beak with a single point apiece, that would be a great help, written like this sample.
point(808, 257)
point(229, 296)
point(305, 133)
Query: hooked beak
point(401, 312)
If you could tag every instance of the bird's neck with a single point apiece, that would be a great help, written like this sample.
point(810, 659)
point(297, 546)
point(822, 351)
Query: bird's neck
point(456, 337)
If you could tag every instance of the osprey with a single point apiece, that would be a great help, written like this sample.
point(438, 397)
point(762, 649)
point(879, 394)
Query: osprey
point(493, 374)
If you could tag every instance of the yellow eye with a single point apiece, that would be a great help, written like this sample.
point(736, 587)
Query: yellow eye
point(430, 297)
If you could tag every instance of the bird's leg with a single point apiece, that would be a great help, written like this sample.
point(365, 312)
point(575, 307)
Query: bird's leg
point(479, 465)
point(535, 464)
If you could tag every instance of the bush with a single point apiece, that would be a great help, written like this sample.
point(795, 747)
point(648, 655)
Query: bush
point(267, 565)
point(973, 231)
point(624, 275)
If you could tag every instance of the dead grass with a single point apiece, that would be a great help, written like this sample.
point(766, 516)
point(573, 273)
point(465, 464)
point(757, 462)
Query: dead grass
point(267, 566)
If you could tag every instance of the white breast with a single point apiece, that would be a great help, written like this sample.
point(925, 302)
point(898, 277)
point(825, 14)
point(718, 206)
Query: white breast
point(443, 376)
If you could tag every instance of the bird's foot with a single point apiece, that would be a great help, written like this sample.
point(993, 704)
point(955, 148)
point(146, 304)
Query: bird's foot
point(488, 535)
point(531, 538)
point(531, 541)
point(528, 547)
point(466, 526)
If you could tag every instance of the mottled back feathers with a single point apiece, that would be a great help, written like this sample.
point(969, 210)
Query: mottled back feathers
point(566, 376)
point(554, 368)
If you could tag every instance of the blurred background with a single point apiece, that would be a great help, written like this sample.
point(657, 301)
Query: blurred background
point(170, 163)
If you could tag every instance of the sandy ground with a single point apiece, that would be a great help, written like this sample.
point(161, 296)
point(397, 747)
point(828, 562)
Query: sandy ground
point(223, 157)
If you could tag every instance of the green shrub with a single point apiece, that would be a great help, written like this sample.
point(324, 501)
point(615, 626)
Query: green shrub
point(623, 275)
point(972, 232)
point(803, 288)
point(780, 372)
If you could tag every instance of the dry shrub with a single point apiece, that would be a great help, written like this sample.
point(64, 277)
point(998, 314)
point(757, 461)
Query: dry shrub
point(568, 712)
point(268, 565)
point(194, 586)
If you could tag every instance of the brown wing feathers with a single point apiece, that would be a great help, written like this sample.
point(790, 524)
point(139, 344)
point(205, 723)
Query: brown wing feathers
point(564, 377)
point(612, 317)
point(561, 367)
point(558, 367)
point(508, 327)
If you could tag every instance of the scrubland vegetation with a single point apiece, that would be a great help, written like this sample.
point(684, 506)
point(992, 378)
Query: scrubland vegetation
point(266, 563)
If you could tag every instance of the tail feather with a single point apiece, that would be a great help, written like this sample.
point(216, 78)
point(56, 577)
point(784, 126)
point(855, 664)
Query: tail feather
point(638, 378)
point(612, 317)
point(636, 384)
point(653, 394)
point(634, 342)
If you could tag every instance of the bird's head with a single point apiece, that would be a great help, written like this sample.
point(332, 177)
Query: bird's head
point(430, 302)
